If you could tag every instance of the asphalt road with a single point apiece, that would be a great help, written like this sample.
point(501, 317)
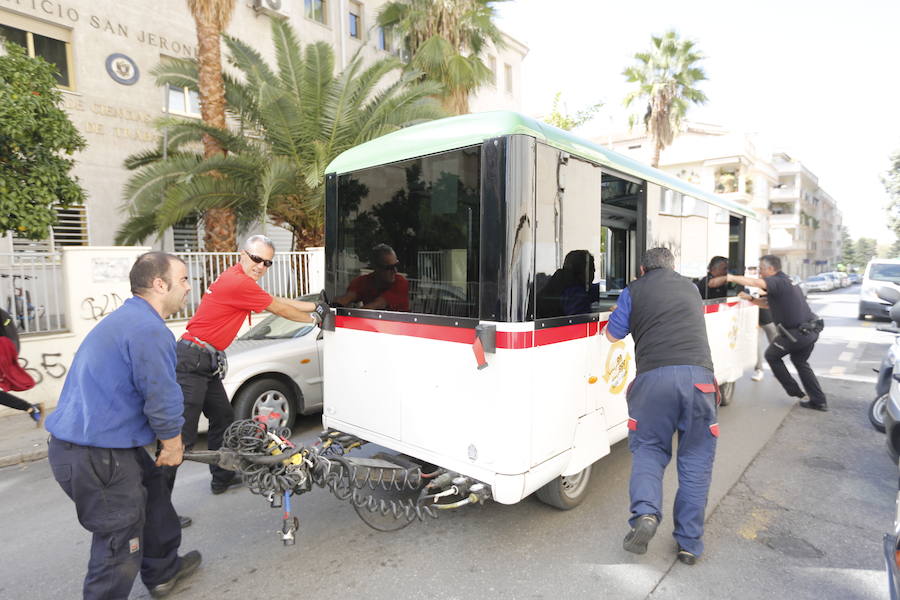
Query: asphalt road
point(798, 504)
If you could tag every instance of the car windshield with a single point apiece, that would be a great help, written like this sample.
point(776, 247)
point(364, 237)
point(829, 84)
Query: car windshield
point(885, 272)
point(274, 327)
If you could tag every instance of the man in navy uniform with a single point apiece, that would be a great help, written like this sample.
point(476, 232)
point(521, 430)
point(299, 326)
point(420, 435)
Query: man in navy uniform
point(798, 328)
point(119, 396)
point(674, 391)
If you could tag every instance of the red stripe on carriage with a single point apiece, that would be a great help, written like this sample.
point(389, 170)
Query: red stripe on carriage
point(515, 340)
point(420, 330)
point(554, 335)
point(632, 424)
point(506, 340)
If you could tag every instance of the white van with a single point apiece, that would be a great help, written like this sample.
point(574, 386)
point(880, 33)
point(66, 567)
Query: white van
point(879, 272)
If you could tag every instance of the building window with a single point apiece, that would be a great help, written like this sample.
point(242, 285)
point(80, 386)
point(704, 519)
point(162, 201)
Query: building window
point(315, 10)
point(492, 65)
point(507, 75)
point(186, 236)
point(71, 229)
point(356, 20)
point(55, 50)
point(183, 101)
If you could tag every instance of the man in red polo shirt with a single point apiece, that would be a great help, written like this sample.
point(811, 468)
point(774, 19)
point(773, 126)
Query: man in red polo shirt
point(225, 306)
point(382, 289)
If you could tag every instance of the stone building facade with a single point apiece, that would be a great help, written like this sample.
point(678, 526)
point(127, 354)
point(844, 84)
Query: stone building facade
point(105, 50)
point(799, 221)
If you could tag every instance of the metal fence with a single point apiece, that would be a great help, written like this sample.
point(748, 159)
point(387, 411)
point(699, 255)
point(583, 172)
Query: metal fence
point(32, 291)
point(288, 277)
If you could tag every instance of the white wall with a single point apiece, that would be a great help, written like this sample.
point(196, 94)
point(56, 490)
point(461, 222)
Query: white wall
point(96, 283)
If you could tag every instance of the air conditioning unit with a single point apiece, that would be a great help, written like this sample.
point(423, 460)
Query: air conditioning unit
point(274, 8)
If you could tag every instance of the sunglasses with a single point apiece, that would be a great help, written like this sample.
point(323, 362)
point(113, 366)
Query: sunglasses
point(259, 259)
point(394, 267)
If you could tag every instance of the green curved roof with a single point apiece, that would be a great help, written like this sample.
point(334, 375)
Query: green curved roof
point(466, 130)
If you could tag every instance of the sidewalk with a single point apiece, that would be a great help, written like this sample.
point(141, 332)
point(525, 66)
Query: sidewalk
point(20, 440)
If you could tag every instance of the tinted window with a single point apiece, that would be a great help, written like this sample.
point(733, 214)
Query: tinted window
point(885, 272)
point(567, 236)
point(427, 210)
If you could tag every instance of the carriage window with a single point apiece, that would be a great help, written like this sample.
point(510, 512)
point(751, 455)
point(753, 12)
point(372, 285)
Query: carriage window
point(567, 238)
point(408, 236)
point(664, 208)
point(736, 240)
point(618, 237)
point(694, 229)
point(718, 232)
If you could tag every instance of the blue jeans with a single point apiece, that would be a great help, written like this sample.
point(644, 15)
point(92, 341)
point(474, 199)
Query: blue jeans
point(661, 402)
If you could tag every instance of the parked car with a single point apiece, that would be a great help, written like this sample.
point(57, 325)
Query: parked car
point(854, 278)
point(879, 272)
point(800, 284)
point(834, 278)
point(818, 283)
point(275, 368)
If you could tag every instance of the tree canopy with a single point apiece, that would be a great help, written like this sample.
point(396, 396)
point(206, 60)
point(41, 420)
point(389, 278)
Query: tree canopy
point(666, 78)
point(891, 181)
point(37, 140)
point(563, 120)
point(291, 121)
point(445, 40)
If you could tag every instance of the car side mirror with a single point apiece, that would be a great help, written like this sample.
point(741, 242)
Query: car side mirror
point(888, 294)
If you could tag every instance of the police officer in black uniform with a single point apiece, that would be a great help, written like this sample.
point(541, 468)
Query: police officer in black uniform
point(798, 329)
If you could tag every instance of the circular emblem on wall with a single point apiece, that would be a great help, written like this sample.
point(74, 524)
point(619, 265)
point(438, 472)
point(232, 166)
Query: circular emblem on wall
point(122, 69)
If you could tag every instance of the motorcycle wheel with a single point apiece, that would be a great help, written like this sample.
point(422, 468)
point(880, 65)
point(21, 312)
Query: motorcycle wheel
point(876, 412)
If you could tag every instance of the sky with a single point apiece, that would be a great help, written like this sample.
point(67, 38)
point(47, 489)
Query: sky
point(818, 80)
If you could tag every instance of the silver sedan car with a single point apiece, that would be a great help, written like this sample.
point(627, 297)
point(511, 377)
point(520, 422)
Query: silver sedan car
point(275, 370)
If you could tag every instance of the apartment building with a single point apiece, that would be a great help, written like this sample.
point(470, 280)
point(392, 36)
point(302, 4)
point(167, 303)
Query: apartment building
point(105, 50)
point(799, 221)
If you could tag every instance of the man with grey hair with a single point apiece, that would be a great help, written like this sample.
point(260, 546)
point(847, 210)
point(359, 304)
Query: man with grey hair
point(230, 300)
point(674, 391)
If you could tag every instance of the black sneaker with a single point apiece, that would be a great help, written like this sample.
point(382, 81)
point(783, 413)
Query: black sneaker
point(686, 557)
point(643, 531)
point(184, 521)
point(188, 564)
point(814, 405)
point(220, 487)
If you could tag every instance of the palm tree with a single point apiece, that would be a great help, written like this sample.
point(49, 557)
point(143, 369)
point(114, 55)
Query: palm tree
point(292, 121)
point(666, 77)
point(211, 18)
point(445, 39)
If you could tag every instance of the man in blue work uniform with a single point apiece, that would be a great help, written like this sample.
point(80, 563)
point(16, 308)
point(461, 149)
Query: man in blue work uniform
point(119, 396)
point(674, 391)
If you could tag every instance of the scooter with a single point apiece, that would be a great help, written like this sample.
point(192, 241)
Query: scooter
point(886, 370)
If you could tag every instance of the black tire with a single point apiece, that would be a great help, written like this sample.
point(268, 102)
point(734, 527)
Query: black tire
point(876, 412)
point(266, 393)
point(565, 493)
point(726, 393)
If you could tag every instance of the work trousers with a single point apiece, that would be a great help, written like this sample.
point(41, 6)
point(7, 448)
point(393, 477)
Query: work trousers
point(799, 352)
point(11, 401)
point(661, 402)
point(203, 392)
point(121, 497)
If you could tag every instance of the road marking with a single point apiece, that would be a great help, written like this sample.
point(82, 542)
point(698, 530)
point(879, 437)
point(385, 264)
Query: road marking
point(845, 357)
point(835, 371)
point(853, 345)
point(847, 377)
